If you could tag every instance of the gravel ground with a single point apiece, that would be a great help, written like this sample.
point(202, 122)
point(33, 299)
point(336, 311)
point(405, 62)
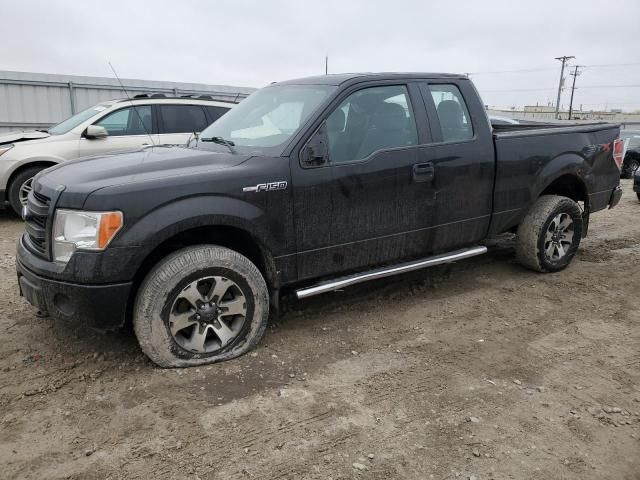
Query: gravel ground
point(477, 370)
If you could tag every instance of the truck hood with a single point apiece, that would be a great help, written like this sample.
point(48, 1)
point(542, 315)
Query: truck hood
point(86, 175)
point(15, 137)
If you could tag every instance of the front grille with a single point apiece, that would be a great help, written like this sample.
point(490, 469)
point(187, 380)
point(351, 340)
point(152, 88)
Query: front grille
point(40, 221)
point(41, 198)
point(36, 222)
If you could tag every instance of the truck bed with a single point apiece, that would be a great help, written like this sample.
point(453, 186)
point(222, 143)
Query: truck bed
point(531, 156)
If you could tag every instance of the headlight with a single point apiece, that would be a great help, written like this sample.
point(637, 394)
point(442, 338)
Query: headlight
point(5, 148)
point(77, 230)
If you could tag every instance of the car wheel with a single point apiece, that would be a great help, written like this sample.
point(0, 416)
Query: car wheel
point(630, 167)
point(200, 305)
point(20, 187)
point(549, 235)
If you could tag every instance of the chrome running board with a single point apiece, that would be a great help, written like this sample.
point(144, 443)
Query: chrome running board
point(332, 285)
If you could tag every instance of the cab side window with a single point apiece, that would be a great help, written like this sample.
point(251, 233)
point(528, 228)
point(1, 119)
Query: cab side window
point(452, 113)
point(182, 119)
point(128, 121)
point(371, 119)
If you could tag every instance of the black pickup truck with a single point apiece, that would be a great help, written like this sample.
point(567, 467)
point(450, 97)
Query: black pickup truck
point(306, 187)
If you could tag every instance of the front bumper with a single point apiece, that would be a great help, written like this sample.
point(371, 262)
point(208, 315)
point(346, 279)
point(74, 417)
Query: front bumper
point(99, 306)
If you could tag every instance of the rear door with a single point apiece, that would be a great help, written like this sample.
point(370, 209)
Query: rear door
point(177, 122)
point(463, 161)
point(129, 128)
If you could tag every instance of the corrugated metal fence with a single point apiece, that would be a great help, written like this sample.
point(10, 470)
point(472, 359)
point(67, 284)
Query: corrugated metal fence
point(39, 100)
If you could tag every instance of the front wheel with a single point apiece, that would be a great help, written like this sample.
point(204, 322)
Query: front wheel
point(200, 305)
point(20, 187)
point(549, 235)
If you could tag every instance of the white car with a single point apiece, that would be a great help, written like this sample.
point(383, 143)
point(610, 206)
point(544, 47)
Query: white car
point(109, 127)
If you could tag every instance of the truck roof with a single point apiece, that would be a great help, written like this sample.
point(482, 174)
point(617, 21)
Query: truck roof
point(340, 78)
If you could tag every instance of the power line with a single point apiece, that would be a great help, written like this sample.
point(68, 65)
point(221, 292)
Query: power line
point(612, 86)
point(553, 88)
point(604, 65)
point(546, 69)
point(524, 70)
point(518, 90)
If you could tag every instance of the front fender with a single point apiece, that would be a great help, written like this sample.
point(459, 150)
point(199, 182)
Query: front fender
point(9, 166)
point(185, 214)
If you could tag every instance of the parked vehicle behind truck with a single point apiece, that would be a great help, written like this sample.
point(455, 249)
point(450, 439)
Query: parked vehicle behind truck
point(632, 152)
point(307, 186)
point(109, 127)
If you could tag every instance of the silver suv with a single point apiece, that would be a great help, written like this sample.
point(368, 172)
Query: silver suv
point(109, 127)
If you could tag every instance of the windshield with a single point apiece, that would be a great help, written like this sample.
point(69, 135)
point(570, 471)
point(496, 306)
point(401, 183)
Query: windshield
point(268, 118)
point(77, 119)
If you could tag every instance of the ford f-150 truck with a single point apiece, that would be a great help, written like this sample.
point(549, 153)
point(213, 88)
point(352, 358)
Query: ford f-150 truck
point(306, 187)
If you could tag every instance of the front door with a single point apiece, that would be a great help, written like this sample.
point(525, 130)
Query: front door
point(129, 128)
point(356, 211)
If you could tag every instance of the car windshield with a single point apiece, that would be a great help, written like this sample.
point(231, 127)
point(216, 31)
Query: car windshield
point(77, 119)
point(268, 118)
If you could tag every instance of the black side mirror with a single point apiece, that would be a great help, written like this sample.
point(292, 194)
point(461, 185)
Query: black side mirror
point(315, 153)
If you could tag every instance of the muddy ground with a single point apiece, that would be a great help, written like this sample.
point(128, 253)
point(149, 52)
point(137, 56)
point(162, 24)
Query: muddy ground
point(477, 370)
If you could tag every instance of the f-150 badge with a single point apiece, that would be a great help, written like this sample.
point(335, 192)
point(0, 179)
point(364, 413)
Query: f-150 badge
point(266, 187)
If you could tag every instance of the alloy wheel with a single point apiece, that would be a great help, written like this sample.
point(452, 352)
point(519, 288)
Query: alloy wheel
point(208, 314)
point(559, 237)
point(25, 188)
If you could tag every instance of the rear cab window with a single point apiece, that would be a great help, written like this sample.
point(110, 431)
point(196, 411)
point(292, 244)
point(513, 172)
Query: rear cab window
point(452, 112)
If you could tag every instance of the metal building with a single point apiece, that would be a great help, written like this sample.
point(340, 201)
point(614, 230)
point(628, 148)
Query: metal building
point(39, 100)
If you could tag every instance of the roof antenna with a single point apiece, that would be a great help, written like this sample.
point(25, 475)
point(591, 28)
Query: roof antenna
point(135, 109)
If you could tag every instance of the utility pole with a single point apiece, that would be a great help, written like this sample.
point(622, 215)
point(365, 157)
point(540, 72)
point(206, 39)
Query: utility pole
point(574, 74)
point(564, 60)
point(326, 64)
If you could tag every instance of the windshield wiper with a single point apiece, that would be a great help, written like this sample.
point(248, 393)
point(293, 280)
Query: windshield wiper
point(221, 141)
point(42, 130)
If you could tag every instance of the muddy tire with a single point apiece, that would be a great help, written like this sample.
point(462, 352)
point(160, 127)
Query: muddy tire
point(200, 305)
point(549, 235)
point(19, 186)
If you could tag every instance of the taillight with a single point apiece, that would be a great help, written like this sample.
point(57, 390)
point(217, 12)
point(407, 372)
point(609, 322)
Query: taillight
point(618, 152)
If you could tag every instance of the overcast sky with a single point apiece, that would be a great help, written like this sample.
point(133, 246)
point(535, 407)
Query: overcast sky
point(252, 43)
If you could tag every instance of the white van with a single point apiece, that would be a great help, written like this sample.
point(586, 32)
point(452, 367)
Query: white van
point(109, 127)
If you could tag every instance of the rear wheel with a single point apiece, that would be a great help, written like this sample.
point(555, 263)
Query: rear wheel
point(200, 305)
point(549, 235)
point(20, 187)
